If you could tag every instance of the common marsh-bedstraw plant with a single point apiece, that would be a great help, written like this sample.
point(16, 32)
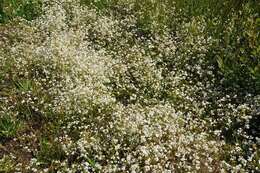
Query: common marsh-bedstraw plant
point(119, 98)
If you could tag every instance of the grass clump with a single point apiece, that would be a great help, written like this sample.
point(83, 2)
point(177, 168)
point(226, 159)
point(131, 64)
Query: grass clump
point(50, 151)
point(8, 127)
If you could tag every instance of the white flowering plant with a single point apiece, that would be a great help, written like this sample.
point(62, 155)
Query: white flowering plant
point(127, 86)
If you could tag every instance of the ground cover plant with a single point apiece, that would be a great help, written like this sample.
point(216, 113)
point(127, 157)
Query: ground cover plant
point(129, 86)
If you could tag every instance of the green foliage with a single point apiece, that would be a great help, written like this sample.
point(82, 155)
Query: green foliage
point(237, 51)
point(24, 85)
point(50, 151)
point(6, 164)
point(8, 126)
point(235, 24)
point(100, 4)
point(28, 9)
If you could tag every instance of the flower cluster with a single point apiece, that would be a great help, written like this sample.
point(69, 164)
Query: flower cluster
point(126, 100)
